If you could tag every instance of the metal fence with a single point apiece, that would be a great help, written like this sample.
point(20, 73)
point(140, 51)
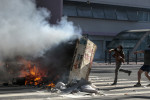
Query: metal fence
point(128, 58)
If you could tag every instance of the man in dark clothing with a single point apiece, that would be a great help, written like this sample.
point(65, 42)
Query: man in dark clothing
point(119, 57)
point(145, 68)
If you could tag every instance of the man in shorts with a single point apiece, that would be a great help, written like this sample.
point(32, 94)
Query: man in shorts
point(145, 68)
point(119, 57)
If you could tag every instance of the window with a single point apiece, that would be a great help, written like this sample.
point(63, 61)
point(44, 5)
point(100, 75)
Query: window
point(69, 10)
point(149, 16)
point(110, 13)
point(98, 13)
point(121, 14)
point(107, 43)
point(93, 10)
point(84, 11)
point(142, 16)
point(132, 15)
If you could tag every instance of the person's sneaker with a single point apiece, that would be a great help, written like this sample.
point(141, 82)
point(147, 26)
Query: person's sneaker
point(129, 73)
point(114, 84)
point(137, 85)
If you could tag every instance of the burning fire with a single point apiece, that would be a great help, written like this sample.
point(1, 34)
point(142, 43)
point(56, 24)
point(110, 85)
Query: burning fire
point(33, 74)
point(51, 85)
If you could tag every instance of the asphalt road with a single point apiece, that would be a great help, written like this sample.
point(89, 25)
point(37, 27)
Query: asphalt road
point(102, 75)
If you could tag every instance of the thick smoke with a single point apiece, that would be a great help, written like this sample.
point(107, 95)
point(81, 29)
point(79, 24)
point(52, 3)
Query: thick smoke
point(25, 30)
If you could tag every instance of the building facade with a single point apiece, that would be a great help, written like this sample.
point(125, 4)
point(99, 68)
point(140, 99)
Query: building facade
point(103, 19)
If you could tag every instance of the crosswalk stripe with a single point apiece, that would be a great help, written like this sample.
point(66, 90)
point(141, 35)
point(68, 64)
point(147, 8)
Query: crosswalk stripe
point(106, 79)
point(24, 94)
point(116, 86)
point(129, 93)
point(102, 77)
point(133, 88)
point(107, 82)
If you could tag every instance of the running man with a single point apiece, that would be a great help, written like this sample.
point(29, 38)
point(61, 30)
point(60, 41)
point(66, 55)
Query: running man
point(119, 57)
point(145, 68)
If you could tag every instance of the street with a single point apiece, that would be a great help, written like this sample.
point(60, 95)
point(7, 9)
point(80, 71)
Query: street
point(102, 75)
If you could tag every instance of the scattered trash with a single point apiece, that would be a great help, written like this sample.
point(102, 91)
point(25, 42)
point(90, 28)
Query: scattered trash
point(89, 89)
point(75, 91)
point(60, 85)
point(54, 90)
point(77, 86)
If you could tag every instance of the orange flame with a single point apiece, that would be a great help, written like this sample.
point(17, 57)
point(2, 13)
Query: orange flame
point(32, 73)
point(51, 85)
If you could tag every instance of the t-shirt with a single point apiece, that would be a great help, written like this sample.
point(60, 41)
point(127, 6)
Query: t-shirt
point(119, 55)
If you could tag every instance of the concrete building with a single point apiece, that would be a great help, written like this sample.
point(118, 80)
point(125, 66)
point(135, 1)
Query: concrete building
point(102, 19)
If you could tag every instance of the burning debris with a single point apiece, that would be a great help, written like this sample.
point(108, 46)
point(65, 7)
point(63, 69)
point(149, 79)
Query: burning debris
point(41, 55)
point(47, 76)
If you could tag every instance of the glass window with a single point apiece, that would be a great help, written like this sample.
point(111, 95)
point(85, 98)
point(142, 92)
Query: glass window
point(137, 35)
point(143, 44)
point(132, 15)
point(130, 35)
point(121, 14)
point(98, 13)
point(110, 13)
point(129, 43)
point(114, 43)
point(129, 39)
point(69, 10)
point(149, 16)
point(84, 11)
point(142, 16)
point(123, 35)
point(107, 43)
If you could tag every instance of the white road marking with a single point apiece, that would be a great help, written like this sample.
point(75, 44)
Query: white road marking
point(129, 93)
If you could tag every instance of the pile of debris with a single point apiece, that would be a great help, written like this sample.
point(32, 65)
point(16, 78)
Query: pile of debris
point(76, 86)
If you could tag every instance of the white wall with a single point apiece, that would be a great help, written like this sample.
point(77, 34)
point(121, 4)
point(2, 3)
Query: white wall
point(132, 3)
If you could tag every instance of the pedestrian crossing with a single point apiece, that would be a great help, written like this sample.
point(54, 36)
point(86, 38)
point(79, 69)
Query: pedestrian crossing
point(125, 85)
point(122, 88)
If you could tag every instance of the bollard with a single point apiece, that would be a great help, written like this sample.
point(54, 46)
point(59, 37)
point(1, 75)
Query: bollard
point(136, 58)
point(109, 58)
point(105, 56)
point(127, 57)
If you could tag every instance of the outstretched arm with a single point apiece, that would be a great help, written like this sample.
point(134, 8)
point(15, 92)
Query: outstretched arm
point(111, 50)
point(138, 52)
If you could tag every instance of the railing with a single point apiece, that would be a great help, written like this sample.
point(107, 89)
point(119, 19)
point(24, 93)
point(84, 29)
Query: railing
point(128, 58)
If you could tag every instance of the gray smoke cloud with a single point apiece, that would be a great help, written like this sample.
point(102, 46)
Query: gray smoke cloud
point(25, 30)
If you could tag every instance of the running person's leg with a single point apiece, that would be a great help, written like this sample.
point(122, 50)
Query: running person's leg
point(125, 71)
point(139, 73)
point(147, 75)
point(138, 84)
point(118, 65)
